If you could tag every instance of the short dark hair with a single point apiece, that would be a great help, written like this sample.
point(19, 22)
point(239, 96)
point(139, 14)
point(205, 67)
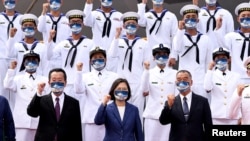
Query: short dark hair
point(184, 71)
point(58, 70)
point(115, 84)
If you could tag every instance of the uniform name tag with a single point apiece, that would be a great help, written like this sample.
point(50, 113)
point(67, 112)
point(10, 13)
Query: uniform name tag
point(23, 87)
point(90, 84)
point(154, 82)
point(217, 83)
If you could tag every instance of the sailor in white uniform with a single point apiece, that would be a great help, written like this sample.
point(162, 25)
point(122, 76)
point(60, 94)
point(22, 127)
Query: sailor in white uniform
point(193, 48)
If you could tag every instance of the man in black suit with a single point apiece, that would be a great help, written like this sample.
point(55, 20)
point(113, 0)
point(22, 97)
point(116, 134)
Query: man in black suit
point(188, 113)
point(59, 114)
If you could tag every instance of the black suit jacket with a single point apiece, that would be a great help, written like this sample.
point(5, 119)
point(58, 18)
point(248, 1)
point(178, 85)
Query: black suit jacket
point(196, 128)
point(68, 128)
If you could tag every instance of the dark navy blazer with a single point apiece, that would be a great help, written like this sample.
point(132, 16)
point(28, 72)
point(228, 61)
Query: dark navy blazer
point(130, 129)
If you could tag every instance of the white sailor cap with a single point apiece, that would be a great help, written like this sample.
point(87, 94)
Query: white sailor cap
point(97, 49)
point(189, 8)
point(245, 6)
point(28, 18)
point(160, 48)
point(247, 63)
point(75, 13)
point(130, 16)
point(220, 51)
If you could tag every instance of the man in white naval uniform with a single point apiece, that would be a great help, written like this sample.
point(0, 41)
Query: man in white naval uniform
point(161, 26)
point(95, 85)
point(103, 22)
point(23, 87)
point(9, 18)
point(238, 42)
point(131, 51)
point(53, 20)
point(16, 50)
point(192, 47)
point(208, 17)
point(240, 101)
point(221, 83)
point(158, 82)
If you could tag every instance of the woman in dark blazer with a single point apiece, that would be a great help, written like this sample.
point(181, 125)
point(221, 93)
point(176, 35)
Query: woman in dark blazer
point(121, 119)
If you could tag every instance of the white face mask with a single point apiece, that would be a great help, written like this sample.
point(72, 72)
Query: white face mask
point(76, 28)
point(9, 4)
point(57, 87)
point(245, 22)
point(55, 5)
point(158, 2)
point(29, 31)
point(131, 29)
point(211, 2)
point(106, 3)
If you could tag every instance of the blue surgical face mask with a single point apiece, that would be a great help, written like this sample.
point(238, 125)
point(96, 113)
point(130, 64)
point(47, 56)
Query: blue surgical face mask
point(121, 95)
point(9, 4)
point(131, 29)
point(76, 28)
point(106, 3)
point(182, 86)
point(98, 64)
point(55, 5)
point(57, 87)
point(221, 64)
point(157, 2)
point(211, 2)
point(190, 23)
point(31, 66)
point(245, 22)
point(161, 60)
point(29, 31)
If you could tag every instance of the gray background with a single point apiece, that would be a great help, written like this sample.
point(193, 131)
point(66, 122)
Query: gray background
point(35, 7)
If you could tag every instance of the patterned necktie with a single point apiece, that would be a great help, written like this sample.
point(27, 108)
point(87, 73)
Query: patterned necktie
point(57, 109)
point(185, 108)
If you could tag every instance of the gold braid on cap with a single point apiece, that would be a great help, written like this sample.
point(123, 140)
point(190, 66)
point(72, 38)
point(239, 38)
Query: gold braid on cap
point(28, 20)
point(248, 66)
point(76, 16)
point(190, 11)
point(130, 18)
point(243, 9)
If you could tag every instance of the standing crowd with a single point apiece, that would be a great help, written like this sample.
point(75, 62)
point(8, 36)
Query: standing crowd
point(173, 85)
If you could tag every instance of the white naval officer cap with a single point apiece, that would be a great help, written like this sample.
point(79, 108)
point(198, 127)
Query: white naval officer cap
point(247, 62)
point(28, 18)
point(189, 8)
point(27, 54)
point(130, 16)
point(75, 13)
point(220, 51)
point(245, 6)
point(160, 48)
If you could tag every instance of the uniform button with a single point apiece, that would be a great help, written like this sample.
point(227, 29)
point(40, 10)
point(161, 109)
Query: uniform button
point(161, 89)
point(225, 90)
point(162, 83)
point(100, 100)
point(225, 103)
point(225, 97)
point(161, 96)
point(161, 103)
